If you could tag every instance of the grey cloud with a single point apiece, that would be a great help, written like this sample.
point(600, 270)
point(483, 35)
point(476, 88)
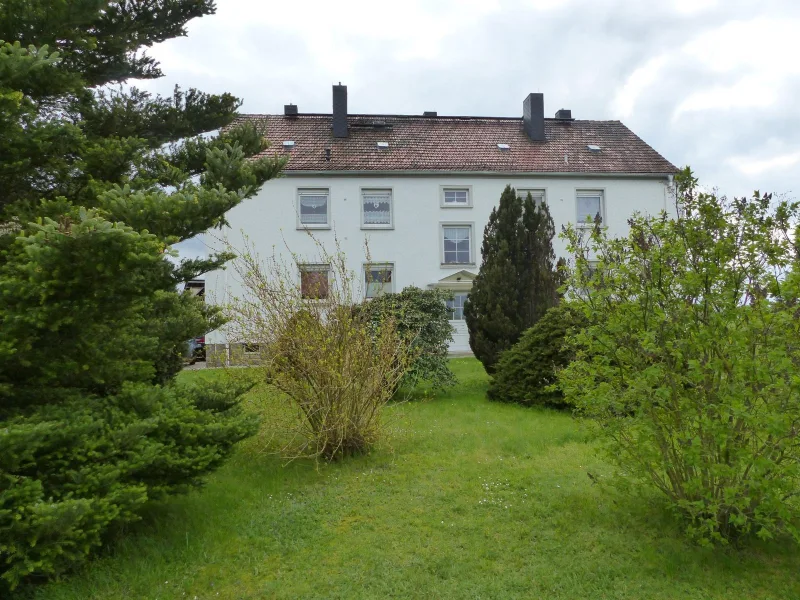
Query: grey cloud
point(580, 55)
point(190, 248)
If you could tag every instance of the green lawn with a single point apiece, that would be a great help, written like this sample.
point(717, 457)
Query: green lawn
point(471, 500)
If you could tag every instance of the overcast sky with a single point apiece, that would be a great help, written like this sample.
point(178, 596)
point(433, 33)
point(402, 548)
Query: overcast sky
point(709, 83)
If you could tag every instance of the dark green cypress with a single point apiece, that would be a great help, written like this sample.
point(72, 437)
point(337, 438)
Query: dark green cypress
point(539, 265)
point(517, 281)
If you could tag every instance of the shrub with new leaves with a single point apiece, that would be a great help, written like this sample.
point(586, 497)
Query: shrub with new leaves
point(527, 373)
point(422, 317)
point(695, 350)
point(334, 366)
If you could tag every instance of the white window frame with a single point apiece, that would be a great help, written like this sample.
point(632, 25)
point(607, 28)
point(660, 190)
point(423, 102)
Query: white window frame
point(366, 191)
point(592, 265)
point(471, 225)
point(523, 193)
point(311, 267)
point(312, 191)
point(591, 192)
point(372, 266)
point(458, 188)
point(459, 293)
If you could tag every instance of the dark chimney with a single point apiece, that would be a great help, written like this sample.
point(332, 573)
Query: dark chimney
point(533, 116)
point(429, 113)
point(340, 111)
point(564, 114)
point(290, 110)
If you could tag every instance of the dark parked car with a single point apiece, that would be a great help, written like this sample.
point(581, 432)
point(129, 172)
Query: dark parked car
point(196, 350)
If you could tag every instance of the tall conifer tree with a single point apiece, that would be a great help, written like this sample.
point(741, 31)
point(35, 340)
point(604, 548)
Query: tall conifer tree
point(97, 182)
point(543, 279)
point(517, 281)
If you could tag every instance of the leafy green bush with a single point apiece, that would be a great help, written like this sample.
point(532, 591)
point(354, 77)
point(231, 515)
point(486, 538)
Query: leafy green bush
point(421, 316)
point(71, 470)
point(689, 367)
point(526, 372)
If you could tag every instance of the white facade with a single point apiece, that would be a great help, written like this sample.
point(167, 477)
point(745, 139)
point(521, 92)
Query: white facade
point(413, 240)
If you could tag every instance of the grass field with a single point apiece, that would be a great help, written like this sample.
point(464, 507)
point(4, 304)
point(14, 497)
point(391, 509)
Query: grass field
point(469, 499)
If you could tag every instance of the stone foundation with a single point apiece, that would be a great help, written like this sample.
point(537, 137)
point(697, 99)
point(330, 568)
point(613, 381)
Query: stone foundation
point(234, 355)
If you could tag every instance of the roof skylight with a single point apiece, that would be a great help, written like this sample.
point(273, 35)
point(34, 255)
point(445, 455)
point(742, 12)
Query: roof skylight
point(288, 144)
point(504, 146)
point(593, 148)
point(383, 144)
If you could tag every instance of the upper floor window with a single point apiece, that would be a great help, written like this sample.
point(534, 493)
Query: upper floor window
point(456, 244)
point(378, 279)
point(456, 306)
point(376, 209)
point(314, 281)
point(456, 196)
point(313, 208)
point(590, 206)
point(536, 194)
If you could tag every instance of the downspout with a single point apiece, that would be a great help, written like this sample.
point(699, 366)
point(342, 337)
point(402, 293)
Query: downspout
point(668, 190)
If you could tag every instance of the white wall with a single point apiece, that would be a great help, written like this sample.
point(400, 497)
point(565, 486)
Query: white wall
point(414, 244)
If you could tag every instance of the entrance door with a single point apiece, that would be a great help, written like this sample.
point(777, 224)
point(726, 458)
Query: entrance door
point(460, 341)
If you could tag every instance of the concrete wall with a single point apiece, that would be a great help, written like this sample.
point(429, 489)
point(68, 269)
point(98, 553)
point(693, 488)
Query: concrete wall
point(414, 242)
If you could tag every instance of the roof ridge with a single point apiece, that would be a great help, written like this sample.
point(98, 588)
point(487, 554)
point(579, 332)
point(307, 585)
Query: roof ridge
point(420, 117)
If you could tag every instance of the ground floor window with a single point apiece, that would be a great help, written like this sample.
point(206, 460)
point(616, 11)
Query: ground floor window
point(378, 279)
point(314, 281)
point(456, 306)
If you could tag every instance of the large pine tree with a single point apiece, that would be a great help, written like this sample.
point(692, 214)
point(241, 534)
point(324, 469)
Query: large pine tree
point(97, 182)
point(518, 277)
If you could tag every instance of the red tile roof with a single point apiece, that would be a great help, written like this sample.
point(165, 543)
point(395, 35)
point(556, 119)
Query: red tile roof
point(459, 144)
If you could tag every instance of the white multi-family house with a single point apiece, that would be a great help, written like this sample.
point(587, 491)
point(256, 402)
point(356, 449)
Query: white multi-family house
point(420, 188)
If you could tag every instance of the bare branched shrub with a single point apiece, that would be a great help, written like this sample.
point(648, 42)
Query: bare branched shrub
point(329, 361)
